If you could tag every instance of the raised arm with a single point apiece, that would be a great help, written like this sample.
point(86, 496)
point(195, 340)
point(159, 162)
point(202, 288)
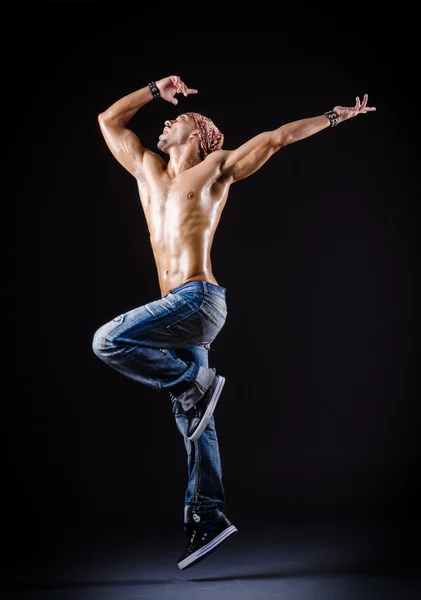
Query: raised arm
point(122, 141)
point(249, 157)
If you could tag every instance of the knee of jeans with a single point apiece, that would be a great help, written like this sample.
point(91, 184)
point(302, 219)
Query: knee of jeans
point(98, 343)
point(102, 345)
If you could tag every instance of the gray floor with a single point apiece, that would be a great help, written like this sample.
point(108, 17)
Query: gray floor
point(293, 561)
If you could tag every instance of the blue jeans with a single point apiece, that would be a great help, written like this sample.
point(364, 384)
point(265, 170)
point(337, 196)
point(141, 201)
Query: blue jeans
point(164, 345)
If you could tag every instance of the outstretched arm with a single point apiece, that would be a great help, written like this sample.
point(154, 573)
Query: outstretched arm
point(252, 155)
point(122, 141)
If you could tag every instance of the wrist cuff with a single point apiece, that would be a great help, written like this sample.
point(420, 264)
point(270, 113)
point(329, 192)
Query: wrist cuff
point(154, 90)
point(333, 117)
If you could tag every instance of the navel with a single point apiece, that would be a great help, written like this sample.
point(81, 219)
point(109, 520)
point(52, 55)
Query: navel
point(190, 195)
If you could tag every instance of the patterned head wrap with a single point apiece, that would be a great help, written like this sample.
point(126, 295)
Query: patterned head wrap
point(211, 138)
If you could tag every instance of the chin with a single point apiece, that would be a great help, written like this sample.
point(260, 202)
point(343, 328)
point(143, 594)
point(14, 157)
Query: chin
point(162, 146)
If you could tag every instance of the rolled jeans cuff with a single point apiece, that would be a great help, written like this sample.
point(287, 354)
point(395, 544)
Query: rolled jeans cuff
point(197, 388)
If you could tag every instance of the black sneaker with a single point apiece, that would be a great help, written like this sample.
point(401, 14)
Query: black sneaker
point(200, 415)
point(205, 536)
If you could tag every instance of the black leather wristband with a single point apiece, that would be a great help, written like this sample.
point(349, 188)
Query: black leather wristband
point(333, 117)
point(154, 89)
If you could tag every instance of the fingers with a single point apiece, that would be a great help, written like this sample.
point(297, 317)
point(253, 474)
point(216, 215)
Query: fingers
point(367, 108)
point(361, 107)
point(183, 89)
point(186, 91)
point(364, 108)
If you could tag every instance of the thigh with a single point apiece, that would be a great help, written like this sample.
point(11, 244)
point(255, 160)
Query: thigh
point(149, 324)
point(175, 321)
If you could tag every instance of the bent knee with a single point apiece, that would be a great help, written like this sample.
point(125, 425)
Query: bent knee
point(99, 342)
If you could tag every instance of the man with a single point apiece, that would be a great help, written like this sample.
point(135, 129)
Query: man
point(164, 344)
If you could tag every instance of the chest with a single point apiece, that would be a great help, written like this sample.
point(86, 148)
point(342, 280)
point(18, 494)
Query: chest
point(184, 192)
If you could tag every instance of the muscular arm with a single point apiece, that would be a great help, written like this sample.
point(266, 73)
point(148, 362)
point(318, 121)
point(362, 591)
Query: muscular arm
point(249, 157)
point(252, 155)
point(122, 142)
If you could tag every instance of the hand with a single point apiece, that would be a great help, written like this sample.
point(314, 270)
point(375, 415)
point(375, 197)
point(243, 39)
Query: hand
point(169, 86)
point(360, 108)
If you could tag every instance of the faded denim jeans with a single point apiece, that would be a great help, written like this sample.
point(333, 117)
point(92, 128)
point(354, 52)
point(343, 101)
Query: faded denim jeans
point(164, 345)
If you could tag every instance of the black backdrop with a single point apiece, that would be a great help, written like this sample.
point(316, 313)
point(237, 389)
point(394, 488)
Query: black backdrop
point(317, 251)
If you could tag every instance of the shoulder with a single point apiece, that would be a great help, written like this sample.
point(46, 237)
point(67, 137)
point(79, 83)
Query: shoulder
point(153, 159)
point(216, 159)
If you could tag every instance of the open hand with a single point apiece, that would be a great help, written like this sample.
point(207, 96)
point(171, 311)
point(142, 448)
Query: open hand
point(360, 108)
point(172, 85)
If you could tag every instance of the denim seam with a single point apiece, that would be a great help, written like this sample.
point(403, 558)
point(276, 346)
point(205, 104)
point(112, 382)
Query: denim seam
point(194, 374)
point(197, 468)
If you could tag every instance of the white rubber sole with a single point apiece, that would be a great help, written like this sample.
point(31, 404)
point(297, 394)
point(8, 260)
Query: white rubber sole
point(205, 550)
point(209, 410)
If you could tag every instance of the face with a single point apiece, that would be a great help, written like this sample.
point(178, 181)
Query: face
point(176, 132)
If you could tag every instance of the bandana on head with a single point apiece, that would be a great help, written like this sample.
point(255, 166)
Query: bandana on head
point(211, 138)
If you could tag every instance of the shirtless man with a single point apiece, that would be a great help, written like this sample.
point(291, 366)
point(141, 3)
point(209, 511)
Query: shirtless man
point(164, 344)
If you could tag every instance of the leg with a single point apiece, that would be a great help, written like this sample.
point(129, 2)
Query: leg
point(205, 488)
point(136, 343)
point(206, 525)
point(163, 345)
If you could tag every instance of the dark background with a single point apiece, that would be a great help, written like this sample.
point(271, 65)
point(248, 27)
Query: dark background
point(318, 252)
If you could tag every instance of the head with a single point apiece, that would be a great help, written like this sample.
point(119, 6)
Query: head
point(193, 129)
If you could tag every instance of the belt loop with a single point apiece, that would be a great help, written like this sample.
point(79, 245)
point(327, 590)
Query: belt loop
point(205, 287)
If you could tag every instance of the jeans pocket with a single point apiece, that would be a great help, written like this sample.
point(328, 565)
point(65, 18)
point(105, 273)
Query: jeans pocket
point(217, 312)
point(198, 327)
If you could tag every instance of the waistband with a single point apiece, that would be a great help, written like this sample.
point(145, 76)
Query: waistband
point(200, 286)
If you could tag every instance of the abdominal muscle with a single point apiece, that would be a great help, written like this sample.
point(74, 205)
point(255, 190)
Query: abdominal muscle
point(182, 216)
point(189, 265)
point(181, 246)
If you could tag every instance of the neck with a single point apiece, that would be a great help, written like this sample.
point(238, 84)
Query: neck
point(181, 159)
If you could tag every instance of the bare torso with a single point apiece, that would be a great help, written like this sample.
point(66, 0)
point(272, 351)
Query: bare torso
point(183, 199)
point(182, 214)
